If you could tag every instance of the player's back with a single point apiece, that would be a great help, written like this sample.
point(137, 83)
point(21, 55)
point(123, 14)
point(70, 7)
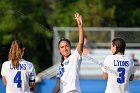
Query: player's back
point(119, 69)
point(18, 79)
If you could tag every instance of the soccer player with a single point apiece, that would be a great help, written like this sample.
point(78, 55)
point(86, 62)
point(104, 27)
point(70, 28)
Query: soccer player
point(118, 68)
point(18, 75)
point(68, 72)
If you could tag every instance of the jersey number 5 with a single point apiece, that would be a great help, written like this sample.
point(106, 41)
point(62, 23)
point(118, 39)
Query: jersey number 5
point(121, 78)
point(17, 79)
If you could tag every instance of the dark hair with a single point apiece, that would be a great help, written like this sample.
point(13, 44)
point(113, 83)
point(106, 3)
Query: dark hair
point(15, 53)
point(120, 45)
point(68, 41)
point(64, 39)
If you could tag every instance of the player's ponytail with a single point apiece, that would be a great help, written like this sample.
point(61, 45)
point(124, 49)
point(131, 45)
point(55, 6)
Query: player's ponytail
point(62, 59)
point(15, 53)
point(120, 45)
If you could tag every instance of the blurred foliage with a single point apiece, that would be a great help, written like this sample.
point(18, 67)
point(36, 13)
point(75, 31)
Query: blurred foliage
point(98, 13)
point(26, 20)
point(31, 21)
point(93, 11)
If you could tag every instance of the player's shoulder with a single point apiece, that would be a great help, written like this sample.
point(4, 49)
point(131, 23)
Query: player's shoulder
point(6, 62)
point(127, 56)
point(29, 65)
point(75, 53)
point(109, 56)
point(25, 62)
point(116, 56)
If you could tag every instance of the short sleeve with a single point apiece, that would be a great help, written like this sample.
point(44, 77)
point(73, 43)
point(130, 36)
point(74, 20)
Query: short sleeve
point(104, 66)
point(2, 70)
point(76, 54)
point(60, 72)
point(32, 74)
point(58, 75)
point(132, 67)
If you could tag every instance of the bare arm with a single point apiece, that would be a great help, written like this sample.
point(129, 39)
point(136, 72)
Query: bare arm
point(131, 77)
point(32, 84)
point(57, 86)
point(79, 47)
point(4, 80)
point(104, 76)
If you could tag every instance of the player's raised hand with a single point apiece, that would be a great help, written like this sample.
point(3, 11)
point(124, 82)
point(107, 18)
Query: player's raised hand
point(78, 19)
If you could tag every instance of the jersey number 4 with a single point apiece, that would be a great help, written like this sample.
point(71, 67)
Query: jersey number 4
point(17, 79)
point(121, 78)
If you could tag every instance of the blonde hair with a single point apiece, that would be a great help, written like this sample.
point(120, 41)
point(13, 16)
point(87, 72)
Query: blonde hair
point(15, 53)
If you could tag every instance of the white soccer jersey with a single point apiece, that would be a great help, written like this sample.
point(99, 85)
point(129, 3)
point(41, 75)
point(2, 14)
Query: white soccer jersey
point(69, 73)
point(119, 69)
point(18, 79)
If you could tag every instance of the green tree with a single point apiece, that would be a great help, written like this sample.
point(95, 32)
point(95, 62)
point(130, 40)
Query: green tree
point(127, 14)
point(26, 20)
point(98, 13)
point(93, 12)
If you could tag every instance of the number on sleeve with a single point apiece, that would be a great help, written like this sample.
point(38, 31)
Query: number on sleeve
point(17, 79)
point(121, 78)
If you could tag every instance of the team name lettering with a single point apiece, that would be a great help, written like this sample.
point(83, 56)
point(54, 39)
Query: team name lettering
point(20, 67)
point(121, 63)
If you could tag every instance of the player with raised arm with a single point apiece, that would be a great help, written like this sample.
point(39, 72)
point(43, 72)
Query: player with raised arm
point(18, 75)
point(68, 72)
point(118, 68)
